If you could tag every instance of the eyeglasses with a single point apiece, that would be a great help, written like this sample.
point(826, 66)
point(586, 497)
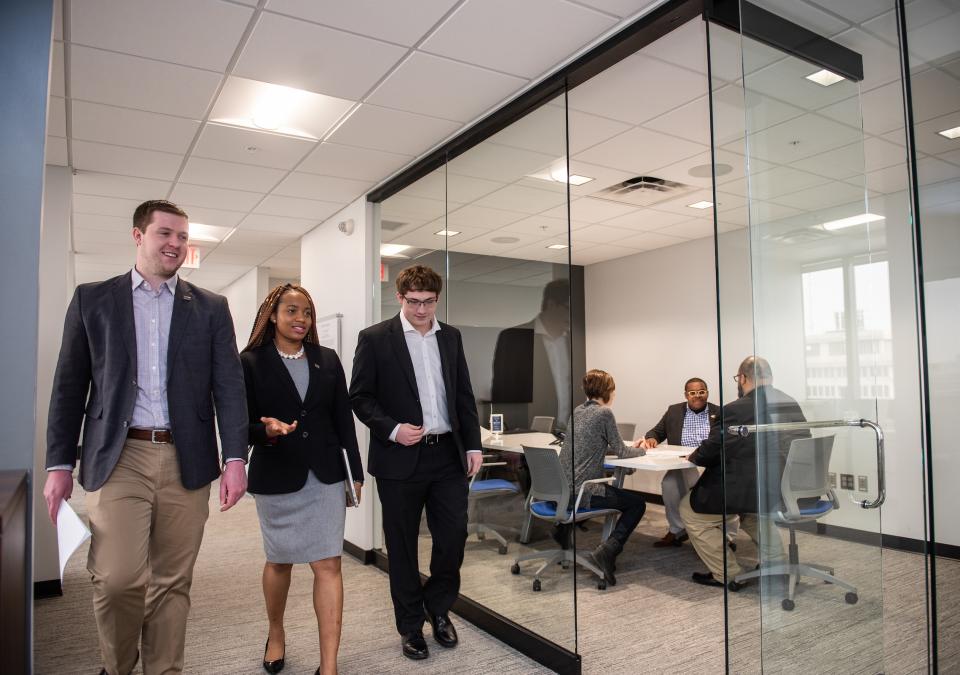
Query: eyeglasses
point(698, 392)
point(736, 378)
point(426, 304)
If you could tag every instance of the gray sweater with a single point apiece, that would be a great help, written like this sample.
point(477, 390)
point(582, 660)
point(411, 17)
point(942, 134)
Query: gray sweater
point(594, 435)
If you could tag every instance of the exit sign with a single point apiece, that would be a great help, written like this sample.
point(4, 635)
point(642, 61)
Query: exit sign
point(192, 261)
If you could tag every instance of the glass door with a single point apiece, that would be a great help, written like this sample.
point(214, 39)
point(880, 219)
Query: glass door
point(818, 341)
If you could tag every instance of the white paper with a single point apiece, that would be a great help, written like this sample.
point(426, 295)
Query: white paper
point(71, 533)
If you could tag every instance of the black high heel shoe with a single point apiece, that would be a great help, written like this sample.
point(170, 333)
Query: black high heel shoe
point(273, 666)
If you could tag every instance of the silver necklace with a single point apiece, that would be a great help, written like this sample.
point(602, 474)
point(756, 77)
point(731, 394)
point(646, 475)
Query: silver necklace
point(284, 355)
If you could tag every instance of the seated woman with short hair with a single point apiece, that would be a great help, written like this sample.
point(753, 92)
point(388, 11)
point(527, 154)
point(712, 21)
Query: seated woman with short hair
point(595, 435)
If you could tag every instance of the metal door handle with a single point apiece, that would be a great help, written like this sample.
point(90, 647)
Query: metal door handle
point(745, 430)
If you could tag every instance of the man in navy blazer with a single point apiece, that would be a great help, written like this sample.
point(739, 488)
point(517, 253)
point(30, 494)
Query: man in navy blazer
point(411, 387)
point(145, 360)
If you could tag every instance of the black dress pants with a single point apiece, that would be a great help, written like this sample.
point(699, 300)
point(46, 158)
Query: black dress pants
point(438, 484)
point(631, 505)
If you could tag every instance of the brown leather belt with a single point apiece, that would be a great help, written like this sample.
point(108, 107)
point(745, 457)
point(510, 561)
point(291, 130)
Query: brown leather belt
point(152, 435)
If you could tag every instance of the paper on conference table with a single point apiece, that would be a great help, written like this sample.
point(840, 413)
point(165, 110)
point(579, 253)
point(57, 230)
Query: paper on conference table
point(71, 533)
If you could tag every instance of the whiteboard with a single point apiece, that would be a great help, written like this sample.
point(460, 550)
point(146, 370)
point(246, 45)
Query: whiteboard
point(328, 331)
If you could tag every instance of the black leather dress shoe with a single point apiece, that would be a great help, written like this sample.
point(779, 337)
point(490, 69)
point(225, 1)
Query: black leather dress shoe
point(414, 646)
point(706, 579)
point(443, 631)
point(273, 666)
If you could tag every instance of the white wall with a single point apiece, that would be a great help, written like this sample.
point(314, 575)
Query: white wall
point(245, 295)
point(56, 287)
point(339, 272)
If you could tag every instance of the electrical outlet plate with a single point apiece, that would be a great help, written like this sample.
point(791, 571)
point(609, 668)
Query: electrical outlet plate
point(846, 481)
point(832, 479)
point(861, 483)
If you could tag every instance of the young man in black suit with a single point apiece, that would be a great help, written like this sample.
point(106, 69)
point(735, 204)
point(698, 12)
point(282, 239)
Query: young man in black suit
point(144, 360)
point(687, 423)
point(411, 387)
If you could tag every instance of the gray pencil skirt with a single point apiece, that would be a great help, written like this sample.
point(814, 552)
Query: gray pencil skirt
point(303, 526)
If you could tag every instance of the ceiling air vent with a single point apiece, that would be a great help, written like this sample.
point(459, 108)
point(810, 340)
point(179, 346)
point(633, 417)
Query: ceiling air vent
point(644, 191)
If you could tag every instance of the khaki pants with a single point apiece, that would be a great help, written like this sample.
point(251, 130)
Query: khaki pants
point(706, 535)
point(146, 536)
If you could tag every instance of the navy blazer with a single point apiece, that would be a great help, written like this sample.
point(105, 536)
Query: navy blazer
point(324, 421)
point(383, 391)
point(670, 426)
point(95, 385)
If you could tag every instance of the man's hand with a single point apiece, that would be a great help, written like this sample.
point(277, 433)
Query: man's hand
point(474, 460)
point(357, 486)
point(275, 427)
point(647, 443)
point(408, 434)
point(59, 486)
point(233, 483)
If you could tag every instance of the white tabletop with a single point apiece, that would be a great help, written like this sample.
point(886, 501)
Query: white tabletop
point(661, 458)
point(515, 442)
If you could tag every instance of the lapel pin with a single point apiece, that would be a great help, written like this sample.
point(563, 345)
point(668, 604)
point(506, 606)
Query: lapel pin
point(188, 297)
point(316, 365)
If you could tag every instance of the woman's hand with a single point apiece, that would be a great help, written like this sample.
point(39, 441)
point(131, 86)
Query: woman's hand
point(357, 486)
point(275, 427)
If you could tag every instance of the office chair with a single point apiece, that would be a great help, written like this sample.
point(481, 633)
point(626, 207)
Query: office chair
point(803, 484)
point(482, 490)
point(542, 423)
point(549, 487)
point(627, 430)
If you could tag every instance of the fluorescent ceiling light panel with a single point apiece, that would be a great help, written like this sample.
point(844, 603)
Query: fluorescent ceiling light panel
point(700, 205)
point(262, 106)
point(393, 250)
point(950, 133)
point(447, 233)
point(825, 78)
point(557, 173)
point(208, 233)
point(557, 247)
point(861, 219)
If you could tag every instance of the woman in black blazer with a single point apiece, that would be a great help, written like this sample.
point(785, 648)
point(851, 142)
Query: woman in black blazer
point(300, 423)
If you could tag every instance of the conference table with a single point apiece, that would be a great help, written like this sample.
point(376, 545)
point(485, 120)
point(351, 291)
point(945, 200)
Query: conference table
point(662, 458)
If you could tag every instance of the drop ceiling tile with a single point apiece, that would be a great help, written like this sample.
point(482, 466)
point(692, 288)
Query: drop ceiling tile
point(107, 185)
point(58, 20)
point(807, 15)
point(936, 40)
point(499, 162)
point(119, 79)
point(55, 152)
point(427, 237)
point(544, 130)
point(279, 224)
point(506, 244)
point(123, 161)
point(620, 8)
point(590, 210)
point(801, 137)
point(331, 159)
point(298, 54)
point(215, 217)
point(931, 170)
point(823, 196)
point(117, 225)
point(523, 199)
point(105, 206)
point(408, 207)
point(214, 198)
point(599, 234)
point(523, 46)
point(778, 181)
point(57, 78)
point(540, 226)
point(392, 130)
point(247, 236)
point(696, 228)
point(233, 144)
point(214, 173)
point(249, 258)
point(481, 217)
point(934, 94)
point(57, 117)
point(646, 220)
point(121, 236)
point(927, 134)
point(882, 109)
point(326, 188)
point(623, 91)
point(889, 180)
point(456, 188)
point(203, 33)
point(433, 85)
point(131, 128)
point(399, 22)
point(292, 207)
point(647, 241)
point(641, 151)
point(598, 253)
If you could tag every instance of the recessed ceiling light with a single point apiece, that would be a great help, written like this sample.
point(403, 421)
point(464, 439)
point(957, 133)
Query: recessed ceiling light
point(447, 233)
point(950, 133)
point(208, 233)
point(825, 78)
point(557, 247)
point(700, 205)
point(393, 250)
point(558, 174)
point(861, 219)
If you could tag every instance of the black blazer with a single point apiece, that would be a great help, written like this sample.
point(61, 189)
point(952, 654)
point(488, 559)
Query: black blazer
point(324, 421)
point(95, 384)
point(738, 455)
point(670, 426)
point(383, 391)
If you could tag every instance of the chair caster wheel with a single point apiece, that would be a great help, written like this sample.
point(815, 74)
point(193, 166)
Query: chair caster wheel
point(515, 568)
point(787, 604)
point(536, 585)
point(481, 536)
point(602, 585)
point(851, 598)
point(502, 550)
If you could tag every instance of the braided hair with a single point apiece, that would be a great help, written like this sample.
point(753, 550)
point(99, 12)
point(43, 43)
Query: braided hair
point(264, 329)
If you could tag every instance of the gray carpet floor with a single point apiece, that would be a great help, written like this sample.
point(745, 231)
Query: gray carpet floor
point(654, 621)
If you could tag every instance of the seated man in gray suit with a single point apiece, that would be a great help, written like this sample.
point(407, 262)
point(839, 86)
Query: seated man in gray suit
point(687, 423)
point(144, 360)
